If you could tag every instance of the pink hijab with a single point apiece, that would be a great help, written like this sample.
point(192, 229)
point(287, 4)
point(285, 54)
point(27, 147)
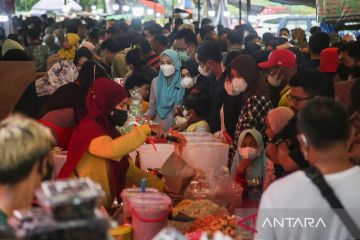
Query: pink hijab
point(278, 118)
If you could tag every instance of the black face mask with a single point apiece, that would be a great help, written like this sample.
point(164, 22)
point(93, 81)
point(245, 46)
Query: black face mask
point(118, 117)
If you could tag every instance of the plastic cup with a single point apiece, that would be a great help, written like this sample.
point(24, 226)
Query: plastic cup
point(149, 214)
point(129, 193)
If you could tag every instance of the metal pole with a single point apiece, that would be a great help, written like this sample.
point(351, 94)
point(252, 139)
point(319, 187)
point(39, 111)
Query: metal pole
point(248, 9)
point(199, 8)
point(155, 2)
point(239, 12)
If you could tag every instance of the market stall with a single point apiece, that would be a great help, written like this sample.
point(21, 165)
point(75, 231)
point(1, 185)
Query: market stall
point(201, 197)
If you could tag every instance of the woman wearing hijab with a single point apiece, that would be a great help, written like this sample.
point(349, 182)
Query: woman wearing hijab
point(70, 44)
point(276, 120)
point(10, 44)
point(166, 91)
point(66, 107)
point(252, 161)
point(97, 150)
point(245, 104)
point(15, 55)
point(60, 72)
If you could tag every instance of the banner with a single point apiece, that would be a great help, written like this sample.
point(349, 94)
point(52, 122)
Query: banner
point(7, 6)
point(14, 79)
point(336, 10)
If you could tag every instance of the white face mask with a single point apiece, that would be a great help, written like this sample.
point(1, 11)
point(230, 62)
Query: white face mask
point(236, 86)
point(274, 80)
point(249, 153)
point(167, 69)
point(204, 72)
point(187, 82)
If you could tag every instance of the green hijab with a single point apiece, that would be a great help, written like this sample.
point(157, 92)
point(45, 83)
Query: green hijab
point(10, 44)
point(258, 167)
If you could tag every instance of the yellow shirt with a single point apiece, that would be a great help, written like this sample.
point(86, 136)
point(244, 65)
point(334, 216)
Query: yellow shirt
point(118, 65)
point(284, 97)
point(145, 106)
point(200, 126)
point(95, 162)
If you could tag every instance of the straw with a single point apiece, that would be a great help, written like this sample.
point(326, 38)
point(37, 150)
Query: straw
point(143, 185)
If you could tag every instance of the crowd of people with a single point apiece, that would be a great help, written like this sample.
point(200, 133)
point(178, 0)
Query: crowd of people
point(283, 102)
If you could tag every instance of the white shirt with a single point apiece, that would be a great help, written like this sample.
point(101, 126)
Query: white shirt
point(297, 197)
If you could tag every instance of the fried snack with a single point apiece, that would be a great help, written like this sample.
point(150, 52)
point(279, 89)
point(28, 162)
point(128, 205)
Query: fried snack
point(181, 206)
point(211, 224)
point(197, 208)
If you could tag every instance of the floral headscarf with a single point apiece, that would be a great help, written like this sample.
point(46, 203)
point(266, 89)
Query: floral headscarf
point(60, 73)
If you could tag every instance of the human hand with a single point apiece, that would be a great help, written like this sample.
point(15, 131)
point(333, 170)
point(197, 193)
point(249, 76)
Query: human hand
point(157, 131)
point(243, 165)
point(220, 135)
point(272, 153)
point(180, 127)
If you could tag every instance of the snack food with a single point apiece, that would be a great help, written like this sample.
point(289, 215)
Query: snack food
point(196, 208)
point(70, 199)
point(212, 224)
point(36, 224)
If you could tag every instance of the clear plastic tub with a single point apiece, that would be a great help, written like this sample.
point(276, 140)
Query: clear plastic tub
point(70, 199)
point(151, 158)
point(129, 193)
point(37, 224)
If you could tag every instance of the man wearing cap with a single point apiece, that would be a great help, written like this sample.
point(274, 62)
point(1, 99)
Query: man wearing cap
point(329, 62)
point(282, 66)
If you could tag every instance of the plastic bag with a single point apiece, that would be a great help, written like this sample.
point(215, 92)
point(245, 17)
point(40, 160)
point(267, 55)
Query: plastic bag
point(135, 114)
point(224, 191)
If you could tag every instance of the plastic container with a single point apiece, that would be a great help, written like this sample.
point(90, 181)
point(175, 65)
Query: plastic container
point(208, 139)
point(70, 199)
point(123, 232)
point(149, 158)
point(205, 156)
point(196, 134)
point(129, 193)
point(36, 224)
point(149, 214)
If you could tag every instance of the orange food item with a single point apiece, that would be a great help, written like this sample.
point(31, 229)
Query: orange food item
point(182, 141)
point(211, 224)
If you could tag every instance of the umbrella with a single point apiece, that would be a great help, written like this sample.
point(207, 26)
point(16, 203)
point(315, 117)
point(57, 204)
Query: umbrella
point(55, 5)
point(154, 5)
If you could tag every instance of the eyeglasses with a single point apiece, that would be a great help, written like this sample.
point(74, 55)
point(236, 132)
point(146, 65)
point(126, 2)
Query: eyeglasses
point(298, 99)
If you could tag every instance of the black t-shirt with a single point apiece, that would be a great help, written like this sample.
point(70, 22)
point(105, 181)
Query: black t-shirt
point(213, 88)
point(344, 71)
point(312, 64)
point(232, 108)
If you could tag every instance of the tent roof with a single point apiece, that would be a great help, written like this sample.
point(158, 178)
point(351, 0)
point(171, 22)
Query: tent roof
point(310, 3)
point(55, 5)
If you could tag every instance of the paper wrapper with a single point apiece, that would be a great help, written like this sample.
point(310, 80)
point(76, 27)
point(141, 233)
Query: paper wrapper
point(177, 174)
